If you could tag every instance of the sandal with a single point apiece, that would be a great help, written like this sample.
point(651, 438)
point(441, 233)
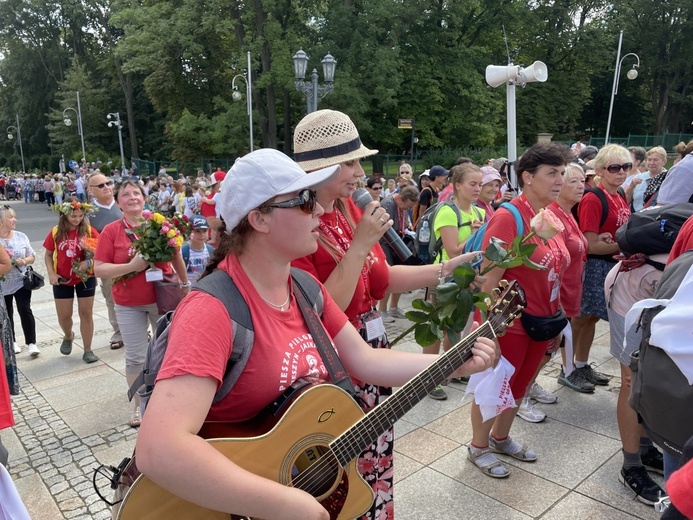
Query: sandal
point(66, 345)
point(487, 462)
point(136, 419)
point(523, 453)
point(115, 345)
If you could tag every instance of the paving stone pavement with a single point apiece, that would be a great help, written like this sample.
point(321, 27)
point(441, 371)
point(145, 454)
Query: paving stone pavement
point(71, 418)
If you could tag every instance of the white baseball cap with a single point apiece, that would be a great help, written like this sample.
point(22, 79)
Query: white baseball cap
point(262, 175)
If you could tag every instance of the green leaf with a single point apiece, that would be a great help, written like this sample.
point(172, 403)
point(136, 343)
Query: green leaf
point(532, 265)
point(464, 275)
point(517, 242)
point(447, 292)
point(422, 305)
point(417, 316)
point(494, 251)
point(515, 262)
point(424, 336)
point(465, 302)
point(447, 311)
point(528, 249)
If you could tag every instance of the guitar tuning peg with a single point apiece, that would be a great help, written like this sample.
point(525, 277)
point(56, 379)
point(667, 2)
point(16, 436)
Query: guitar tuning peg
point(505, 302)
point(503, 283)
point(513, 293)
point(496, 311)
point(496, 292)
point(511, 323)
point(500, 334)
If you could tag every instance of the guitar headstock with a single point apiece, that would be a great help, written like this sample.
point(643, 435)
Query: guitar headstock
point(508, 305)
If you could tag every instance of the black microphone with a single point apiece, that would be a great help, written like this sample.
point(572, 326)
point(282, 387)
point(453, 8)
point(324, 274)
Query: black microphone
point(362, 198)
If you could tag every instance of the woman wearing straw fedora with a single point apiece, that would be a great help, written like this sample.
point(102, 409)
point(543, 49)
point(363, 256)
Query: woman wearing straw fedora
point(271, 199)
point(352, 265)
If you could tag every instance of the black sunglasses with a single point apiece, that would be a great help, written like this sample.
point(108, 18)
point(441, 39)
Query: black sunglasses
point(377, 188)
point(306, 200)
point(615, 168)
point(103, 184)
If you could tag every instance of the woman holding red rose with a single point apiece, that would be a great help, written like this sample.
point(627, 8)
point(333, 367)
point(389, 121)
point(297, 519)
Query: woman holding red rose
point(135, 298)
point(70, 271)
point(540, 174)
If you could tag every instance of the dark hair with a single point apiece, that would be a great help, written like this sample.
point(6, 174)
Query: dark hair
point(125, 184)
point(463, 160)
point(188, 190)
point(588, 153)
point(409, 193)
point(372, 181)
point(62, 223)
point(539, 154)
point(638, 152)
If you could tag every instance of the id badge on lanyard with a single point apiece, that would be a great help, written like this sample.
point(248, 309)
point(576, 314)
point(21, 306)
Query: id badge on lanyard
point(373, 322)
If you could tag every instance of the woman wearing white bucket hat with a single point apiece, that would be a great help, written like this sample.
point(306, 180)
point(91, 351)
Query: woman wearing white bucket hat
point(273, 216)
point(351, 263)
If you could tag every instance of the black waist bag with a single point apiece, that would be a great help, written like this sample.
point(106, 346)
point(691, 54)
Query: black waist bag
point(544, 328)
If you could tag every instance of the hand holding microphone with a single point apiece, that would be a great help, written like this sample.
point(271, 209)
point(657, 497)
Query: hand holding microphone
point(362, 198)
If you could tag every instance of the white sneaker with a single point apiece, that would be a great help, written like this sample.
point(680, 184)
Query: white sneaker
point(17, 348)
point(396, 312)
point(529, 413)
point(33, 350)
point(386, 317)
point(540, 395)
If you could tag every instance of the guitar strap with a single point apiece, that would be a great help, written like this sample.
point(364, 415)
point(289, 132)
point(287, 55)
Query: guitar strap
point(334, 366)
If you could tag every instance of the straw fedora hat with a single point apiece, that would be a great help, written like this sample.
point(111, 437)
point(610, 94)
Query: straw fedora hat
point(325, 138)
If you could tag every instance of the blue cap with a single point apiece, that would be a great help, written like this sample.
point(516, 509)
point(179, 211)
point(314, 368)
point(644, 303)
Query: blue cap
point(199, 222)
point(438, 171)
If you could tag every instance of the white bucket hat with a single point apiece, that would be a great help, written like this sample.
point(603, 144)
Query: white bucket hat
point(325, 138)
point(260, 176)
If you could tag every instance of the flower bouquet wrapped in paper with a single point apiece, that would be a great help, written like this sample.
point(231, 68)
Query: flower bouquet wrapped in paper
point(88, 246)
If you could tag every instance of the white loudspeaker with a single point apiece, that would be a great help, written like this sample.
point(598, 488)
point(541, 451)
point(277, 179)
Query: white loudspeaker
point(537, 71)
point(496, 75)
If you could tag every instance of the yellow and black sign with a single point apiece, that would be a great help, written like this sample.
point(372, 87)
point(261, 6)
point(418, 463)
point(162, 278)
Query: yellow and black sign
point(405, 124)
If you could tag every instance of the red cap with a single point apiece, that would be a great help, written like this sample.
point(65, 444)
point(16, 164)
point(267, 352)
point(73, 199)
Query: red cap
point(217, 176)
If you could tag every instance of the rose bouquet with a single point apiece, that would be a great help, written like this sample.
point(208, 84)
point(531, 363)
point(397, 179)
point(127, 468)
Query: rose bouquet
point(455, 299)
point(88, 246)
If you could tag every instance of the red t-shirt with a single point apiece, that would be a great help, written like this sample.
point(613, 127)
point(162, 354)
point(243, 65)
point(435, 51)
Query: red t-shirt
point(208, 210)
point(576, 243)
point(590, 213)
point(373, 281)
point(684, 241)
point(541, 286)
point(6, 417)
point(115, 247)
point(69, 250)
point(200, 343)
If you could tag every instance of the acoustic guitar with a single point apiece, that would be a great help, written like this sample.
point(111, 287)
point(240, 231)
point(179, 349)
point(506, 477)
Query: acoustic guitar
point(314, 441)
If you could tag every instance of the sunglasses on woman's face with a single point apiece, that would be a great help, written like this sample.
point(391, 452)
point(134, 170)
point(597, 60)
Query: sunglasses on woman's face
point(305, 200)
point(615, 168)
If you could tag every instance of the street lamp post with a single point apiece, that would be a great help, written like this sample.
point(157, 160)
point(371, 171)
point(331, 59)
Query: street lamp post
point(513, 75)
point(237, 96)
point(119, 126)
point(18, 129)
point(312, 91)
point(80, 129)
point(632, 74)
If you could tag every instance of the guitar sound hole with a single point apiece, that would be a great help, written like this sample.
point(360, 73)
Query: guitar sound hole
point(315, 471)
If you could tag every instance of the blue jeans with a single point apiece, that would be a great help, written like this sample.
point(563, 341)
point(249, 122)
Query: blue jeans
point(28, 196)
point(671, 464)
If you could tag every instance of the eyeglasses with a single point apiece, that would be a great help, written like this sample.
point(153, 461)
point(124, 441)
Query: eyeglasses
point(306, 200)
point(102, 185)
point(377, 188)
point(615, 168)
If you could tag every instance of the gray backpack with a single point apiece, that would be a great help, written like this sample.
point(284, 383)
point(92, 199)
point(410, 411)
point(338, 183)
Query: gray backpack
point(220, 285)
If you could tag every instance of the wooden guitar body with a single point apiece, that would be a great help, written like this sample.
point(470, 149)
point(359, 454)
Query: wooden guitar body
point(299, 440)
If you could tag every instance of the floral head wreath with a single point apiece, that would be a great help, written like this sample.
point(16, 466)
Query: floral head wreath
point(68, 207)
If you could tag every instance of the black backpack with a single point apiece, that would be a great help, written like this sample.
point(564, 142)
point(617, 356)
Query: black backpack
point(653, 230)
point(602, 198)
point(660, 393)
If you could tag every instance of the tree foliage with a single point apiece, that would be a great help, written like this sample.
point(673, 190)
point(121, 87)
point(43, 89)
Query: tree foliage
point(167, 66)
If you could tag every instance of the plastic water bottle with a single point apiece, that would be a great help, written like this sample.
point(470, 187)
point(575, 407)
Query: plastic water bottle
point(424, 233)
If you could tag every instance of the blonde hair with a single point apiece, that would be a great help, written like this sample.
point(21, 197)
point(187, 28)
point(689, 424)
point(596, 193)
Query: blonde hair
point(609, 153)
point(659, 151)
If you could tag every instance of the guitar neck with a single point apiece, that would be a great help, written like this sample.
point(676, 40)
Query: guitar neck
point(352, 442)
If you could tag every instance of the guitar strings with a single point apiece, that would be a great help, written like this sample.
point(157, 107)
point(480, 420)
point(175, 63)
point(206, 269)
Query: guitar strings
point(318, 475)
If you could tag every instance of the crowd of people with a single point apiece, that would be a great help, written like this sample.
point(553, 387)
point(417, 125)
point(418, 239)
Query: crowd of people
point(240, 221)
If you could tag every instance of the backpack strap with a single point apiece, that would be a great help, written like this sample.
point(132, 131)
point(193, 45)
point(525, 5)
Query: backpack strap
point(602, 199)
point(185, 253)
point(220, 285)
point(519, 224)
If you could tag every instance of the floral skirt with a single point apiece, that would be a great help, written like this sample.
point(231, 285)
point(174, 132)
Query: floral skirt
point(375, 463)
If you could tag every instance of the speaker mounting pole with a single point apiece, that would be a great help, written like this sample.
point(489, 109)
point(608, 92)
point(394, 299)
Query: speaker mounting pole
point(512, 75)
